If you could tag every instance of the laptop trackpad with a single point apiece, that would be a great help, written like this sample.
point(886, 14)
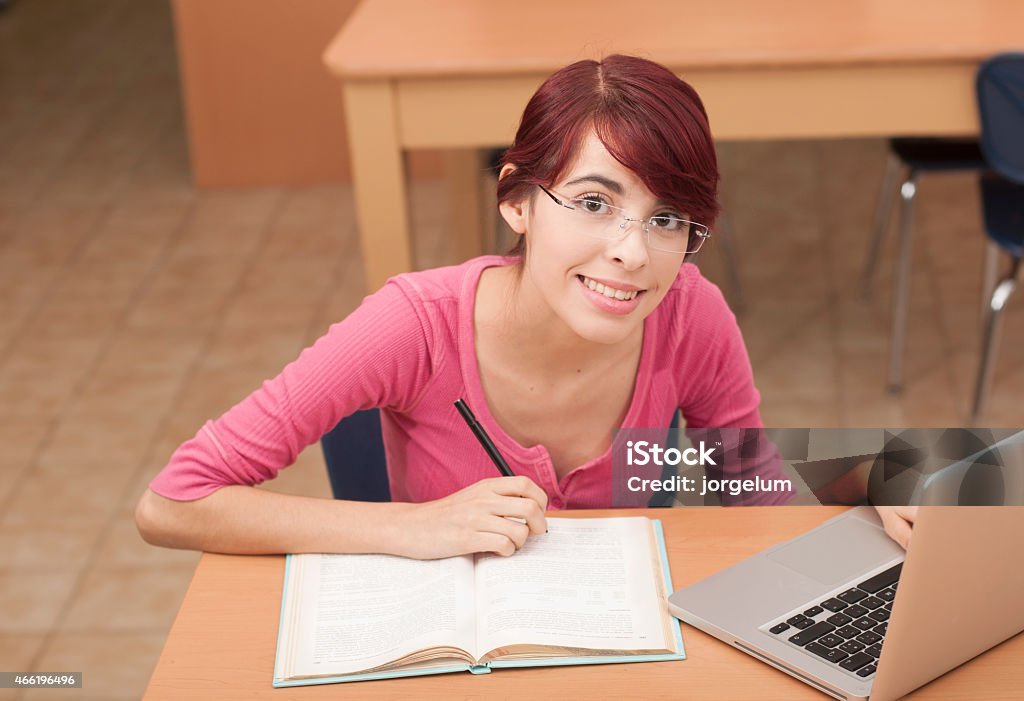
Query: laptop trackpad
point(838, 552)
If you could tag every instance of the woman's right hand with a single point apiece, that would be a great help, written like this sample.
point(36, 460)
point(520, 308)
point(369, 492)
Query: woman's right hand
point(480, 518)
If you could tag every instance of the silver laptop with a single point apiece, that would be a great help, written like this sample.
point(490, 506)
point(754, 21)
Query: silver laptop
point(840, 609)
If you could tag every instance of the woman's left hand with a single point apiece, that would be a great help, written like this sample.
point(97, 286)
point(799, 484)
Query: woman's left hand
point(898, 522)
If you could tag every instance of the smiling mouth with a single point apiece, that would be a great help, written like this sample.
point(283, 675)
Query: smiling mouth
point(609, 292)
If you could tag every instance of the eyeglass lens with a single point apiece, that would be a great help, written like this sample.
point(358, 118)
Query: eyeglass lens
point(662, 232)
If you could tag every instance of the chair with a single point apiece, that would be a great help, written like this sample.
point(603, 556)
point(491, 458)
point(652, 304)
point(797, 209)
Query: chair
point(917, 156)
point(1000, 91)
point(354, 453)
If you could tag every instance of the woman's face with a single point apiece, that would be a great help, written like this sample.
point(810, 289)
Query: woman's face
point(602, 289)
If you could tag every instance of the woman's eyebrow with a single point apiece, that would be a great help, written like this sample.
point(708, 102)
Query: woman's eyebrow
point(612, 185)
point(600, 180)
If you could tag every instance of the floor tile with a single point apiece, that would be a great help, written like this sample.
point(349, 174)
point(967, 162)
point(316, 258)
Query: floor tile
point(34, 601)
point(87, 495)
point(92, 442)
point(21, 440)
point(17, 653)
point(113, 666)
point(127, 599)
point(48, 546)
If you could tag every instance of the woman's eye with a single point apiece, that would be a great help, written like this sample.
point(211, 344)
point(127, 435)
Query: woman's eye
point(592, 205)
point(668, 222)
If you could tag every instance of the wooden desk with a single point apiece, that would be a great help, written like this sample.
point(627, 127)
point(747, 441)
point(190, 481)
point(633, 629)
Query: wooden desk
point(222, 643)
point(456, 75)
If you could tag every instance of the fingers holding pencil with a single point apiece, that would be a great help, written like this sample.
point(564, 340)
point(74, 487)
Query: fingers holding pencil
point(495, 515)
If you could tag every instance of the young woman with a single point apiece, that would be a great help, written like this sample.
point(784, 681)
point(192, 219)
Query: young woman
point(595, 322)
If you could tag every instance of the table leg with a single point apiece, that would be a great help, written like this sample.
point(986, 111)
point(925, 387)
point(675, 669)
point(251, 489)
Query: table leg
point(378, 180)
point(465, 170)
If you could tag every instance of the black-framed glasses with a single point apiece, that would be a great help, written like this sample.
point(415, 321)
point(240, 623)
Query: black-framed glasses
point(662, 232)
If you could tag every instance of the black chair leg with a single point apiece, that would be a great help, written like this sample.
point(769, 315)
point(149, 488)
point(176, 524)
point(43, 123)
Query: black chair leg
point(990, 342)
point(901, 291)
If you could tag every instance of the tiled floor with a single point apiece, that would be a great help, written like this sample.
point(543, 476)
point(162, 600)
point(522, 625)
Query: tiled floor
point(132, 308)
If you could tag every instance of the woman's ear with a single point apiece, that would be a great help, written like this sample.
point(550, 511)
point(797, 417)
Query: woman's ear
point(513, 212)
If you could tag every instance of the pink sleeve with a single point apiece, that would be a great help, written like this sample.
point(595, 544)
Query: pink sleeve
point(715, 366)
point(377, 357)
point(726, 397)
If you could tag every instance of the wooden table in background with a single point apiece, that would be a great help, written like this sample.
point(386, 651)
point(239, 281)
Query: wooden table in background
point(223, 641)
point(456, 74)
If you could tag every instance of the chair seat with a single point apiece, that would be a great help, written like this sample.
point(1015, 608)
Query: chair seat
point(1003, 202)
point(938, 154)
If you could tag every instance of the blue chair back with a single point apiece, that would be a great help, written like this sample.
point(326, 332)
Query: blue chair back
point(354, 453)
point(1000, 90)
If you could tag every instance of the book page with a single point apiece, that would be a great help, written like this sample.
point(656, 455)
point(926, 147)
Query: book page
point(587, 583)
point(349, 613)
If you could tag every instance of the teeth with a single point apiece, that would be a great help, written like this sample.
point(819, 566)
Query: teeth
point(610, 292)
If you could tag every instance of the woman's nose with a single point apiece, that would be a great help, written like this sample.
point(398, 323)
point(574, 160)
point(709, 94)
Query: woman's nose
point(631, 248)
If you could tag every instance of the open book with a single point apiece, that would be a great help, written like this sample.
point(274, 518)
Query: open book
point(588, 591)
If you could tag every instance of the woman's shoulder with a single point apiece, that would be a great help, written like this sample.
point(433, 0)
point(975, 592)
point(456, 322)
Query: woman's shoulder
point(448, 283)
point(440, 299)
point(692, 297)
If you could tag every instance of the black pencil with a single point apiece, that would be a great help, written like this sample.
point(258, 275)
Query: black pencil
point(485, 440)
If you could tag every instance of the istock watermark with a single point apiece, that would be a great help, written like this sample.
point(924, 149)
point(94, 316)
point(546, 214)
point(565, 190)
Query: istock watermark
point(755, 466)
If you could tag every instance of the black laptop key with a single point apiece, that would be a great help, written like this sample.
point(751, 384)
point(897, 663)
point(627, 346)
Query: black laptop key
point(869, 638)
point(855, 611)
point(836, 655)
point(856, 661)
point(830, 640)
point(866, 671)
point(813, 633)
point(874, 650)
point(852, 596)
point(888, 606)
point(800, 621)
point(881, 628)
point(834, 605)
point(848, 632)
point(865, 623)
point(832, 655)
point(781, 628)
point(886, 594)
point(882, 579)
point(851, 647)
point(839, 619)
point(813, 611)
point(880, 615)
point(872, 602)
point(819, 650)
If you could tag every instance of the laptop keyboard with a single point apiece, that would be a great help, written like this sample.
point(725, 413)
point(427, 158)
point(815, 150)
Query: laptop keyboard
point(846, 629)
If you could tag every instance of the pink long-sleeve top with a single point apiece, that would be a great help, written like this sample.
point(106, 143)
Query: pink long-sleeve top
point(409, 350)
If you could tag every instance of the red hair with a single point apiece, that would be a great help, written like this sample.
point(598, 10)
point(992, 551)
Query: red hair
point(649, 120)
